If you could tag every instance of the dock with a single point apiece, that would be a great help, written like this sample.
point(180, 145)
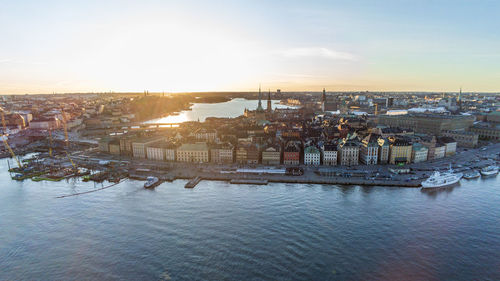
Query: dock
point(249, 181)
point(193, 182)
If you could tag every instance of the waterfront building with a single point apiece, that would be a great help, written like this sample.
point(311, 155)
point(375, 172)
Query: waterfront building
point(368, 151)
point(170, 152)
point(419, 153)
point(291, 153)
point(156, 152)
point(247, 153)
point(126, 145)
point(450, 145)
point(271, 155)
point(330, 153)
point(222, 153)
point(348, 150)
point(428, 123)
point(401, 150)
point(241, 154)
point(487, 131)
point(114, 147)
point(193, 152)
point(383, 150)
point(439, 150)
point(139, 146)
point(430, 143)
point(312, 155)
point(463, 138)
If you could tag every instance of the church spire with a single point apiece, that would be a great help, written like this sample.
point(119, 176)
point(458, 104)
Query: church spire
point(259, 107)
point(269, 109)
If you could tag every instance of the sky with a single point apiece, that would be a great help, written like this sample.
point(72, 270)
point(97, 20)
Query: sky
point(219, 45)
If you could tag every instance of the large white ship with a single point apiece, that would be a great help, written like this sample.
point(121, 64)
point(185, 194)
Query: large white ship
point(489, 171)
point(441, 180)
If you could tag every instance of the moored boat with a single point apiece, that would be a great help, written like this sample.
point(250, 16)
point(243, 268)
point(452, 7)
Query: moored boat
point(474, 174)
point(442, 179)
point(489, 171)
point(151, 182)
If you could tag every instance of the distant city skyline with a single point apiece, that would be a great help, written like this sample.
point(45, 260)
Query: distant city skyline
point(189, 46)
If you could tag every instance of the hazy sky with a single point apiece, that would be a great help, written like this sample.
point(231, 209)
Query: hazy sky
point(82, 46)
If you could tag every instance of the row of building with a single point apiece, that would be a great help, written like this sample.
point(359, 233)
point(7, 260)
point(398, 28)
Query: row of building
point(371, 150)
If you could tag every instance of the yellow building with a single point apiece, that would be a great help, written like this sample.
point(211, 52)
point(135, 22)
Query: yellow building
point(400, 151)
point(193, 152)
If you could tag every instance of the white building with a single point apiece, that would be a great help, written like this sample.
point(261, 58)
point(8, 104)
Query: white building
point(450, 145)
point(139, 146)
point(312, 155)
point(439, 151)
point(330, 154)
point(419, 153)
point(368, 151)
point(156, 152)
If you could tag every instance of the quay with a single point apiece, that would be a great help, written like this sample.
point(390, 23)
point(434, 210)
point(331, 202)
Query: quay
point(248, 181)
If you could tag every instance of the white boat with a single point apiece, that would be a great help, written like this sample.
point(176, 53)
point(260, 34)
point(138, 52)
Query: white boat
point(441, 180)
point(151, 182)
point(472, 175)
point(489, 171)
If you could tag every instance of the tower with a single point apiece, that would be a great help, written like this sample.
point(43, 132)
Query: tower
point(459, 100)
point(269, 109)
point(259, 107)
point(323, 97)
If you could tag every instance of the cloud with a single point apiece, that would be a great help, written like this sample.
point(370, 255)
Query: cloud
point(320, 52)
point(13, 61)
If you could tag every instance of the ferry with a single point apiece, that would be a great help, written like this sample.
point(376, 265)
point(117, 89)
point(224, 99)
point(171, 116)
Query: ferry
point(474, 174)
point(151, 182)
point(489, 171)
point(441, 180)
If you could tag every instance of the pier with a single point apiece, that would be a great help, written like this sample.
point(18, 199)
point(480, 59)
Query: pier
point(193, 182)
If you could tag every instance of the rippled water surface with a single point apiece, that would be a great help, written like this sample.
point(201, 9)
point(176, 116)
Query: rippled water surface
point(219, 231)
point(232, 108)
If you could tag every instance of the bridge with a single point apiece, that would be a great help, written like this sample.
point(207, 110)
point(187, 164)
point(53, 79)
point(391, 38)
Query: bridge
point(135, 126)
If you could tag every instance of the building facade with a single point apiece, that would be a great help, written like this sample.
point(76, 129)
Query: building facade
point(401, 150)
point(330, 154)
point(419, 153)
point(271, 155)
point(368, 151)
point(463, 138)
point(139, 146)
point(193, 152)
point(348, 152)
point(312, 155)
point(439, 151)
point(428, 123)
point(222, 153)
point(291, 154)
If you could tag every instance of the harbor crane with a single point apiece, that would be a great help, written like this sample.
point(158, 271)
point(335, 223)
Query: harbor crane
point(5, 138)
point(65, 127)
point(66, 139)
point(50, 142)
